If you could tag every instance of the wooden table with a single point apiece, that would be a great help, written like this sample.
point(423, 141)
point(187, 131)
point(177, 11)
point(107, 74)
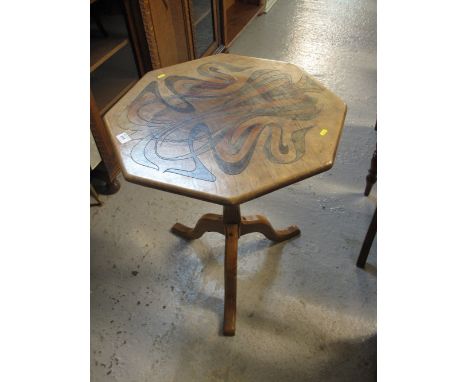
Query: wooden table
point(226, 129)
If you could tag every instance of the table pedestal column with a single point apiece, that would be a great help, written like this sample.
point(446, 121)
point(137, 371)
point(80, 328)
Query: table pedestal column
point(232, 225)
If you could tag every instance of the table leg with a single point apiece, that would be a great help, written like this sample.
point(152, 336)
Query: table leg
point(230, 279)
point(207, 223)
point(259, 223)
point(232, 225)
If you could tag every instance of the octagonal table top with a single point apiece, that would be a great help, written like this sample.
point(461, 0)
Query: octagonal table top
point(225, 128)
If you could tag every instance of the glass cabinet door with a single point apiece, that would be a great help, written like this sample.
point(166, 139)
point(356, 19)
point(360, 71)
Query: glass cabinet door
point(113, 65)
point(203, 14)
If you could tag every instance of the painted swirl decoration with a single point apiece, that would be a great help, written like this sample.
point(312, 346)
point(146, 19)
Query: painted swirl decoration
point(230, 112)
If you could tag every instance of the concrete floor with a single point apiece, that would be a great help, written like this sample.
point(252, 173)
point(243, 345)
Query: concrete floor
point(305, 312)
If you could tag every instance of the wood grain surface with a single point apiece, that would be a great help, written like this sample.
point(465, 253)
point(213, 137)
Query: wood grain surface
point(226, 128)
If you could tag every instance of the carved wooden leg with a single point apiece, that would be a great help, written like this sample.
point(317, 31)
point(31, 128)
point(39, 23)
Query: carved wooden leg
point(259, 223)
point(230, 279)
point(207, 223)
point(366, 246)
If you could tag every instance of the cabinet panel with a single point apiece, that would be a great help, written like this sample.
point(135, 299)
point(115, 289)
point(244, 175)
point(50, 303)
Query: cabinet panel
point(237, 14)
point(166, 31)
point(113, 79)
point(118, 57)
point(203, 16)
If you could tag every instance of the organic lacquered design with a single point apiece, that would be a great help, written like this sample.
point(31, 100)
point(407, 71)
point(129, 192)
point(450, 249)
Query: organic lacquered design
point(177, 121)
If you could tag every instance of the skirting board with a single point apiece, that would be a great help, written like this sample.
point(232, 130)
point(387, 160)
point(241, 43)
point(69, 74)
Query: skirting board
point(269, 4)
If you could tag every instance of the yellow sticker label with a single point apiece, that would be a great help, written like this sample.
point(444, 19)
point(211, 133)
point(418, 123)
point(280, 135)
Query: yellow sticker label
point(162, 75)
point(323, 132)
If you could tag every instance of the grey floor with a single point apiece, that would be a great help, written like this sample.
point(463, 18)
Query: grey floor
point(305, 312)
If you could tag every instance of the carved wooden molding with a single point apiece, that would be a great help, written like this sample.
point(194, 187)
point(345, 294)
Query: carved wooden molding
point(150, 34)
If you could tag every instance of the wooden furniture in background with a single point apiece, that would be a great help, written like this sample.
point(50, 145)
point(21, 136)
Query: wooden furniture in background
point(226, 129)
point(183, 30)
point(237, 14)
point(371, 179)
point(366, 246)
point(109, 163)
point(205, 23)
point(117, 61)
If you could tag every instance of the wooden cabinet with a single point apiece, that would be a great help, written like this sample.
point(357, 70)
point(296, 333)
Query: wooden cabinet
point(117, 61)
point(166, 31)
point(205, 27)
point(182, 30)
point(236, 15)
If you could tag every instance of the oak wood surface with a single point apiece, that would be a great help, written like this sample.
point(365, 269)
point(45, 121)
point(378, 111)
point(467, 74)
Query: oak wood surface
point(226, 128)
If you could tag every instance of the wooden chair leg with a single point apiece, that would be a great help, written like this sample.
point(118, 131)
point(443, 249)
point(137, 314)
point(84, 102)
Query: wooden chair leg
point(366, 246)
point(207, 223)
point(259, 223)
point(230, 279)
point(372, 176)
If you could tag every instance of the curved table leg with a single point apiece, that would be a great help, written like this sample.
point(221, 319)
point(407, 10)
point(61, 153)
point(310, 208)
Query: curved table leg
point(232, 226)
point(259, 223)
point(207, 223)
point(230, 279)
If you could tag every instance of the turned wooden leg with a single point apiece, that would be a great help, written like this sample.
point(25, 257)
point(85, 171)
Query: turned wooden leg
point(259, 223)
point(366, 246)
point(207, 223)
